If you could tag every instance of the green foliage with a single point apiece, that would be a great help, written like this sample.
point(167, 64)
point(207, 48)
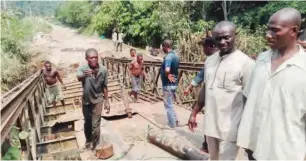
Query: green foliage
point(13, 152)
point(260, 15)
point(251, 43)
point(74, 13)
point(150, 22)
point(34, 8)
point(16, 33)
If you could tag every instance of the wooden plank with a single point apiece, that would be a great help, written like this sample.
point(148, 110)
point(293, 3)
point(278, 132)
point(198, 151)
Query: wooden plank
point(40, 109)
point(37, 127)
point(56, 140)
point(33, 144)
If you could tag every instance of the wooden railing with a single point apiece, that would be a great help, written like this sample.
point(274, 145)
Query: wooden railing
point(118, 69)
point(24, 106)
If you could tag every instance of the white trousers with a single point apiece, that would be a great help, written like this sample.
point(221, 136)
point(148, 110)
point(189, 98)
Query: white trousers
point(221, 150)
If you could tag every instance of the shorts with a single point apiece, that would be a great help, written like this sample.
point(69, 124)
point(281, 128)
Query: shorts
point(136, 83)
point(54, 93)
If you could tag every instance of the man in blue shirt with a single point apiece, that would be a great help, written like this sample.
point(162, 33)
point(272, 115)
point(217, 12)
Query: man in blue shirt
point(169, 76)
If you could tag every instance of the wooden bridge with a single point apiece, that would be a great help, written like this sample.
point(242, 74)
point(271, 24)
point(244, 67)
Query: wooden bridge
point(57, 133)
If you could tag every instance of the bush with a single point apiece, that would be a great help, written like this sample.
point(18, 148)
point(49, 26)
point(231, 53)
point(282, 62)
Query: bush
point(16, 34)
point(251, 43)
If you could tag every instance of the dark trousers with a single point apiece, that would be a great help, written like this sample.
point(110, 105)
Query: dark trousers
point(250, 154)
point(92, 119)
point(204, 143)
point(119, 44)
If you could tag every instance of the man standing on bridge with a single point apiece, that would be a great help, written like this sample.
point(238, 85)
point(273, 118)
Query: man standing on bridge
point(273, 124)
point(169, 76)
point(226, 74)
point(136, 72)
point(54, 90)
point(94, 81)
point(133, 53)
point(209, 48)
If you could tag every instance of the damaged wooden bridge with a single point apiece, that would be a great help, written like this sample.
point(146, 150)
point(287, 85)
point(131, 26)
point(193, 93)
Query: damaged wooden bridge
point(57, 133)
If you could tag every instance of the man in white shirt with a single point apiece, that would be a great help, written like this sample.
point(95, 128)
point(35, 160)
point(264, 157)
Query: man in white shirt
point(273, 124)
point(120, 41)
point(226, 74)
point(114, 38)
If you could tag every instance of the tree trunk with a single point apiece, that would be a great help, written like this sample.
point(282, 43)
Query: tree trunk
point(224, 7)
point(203, 11)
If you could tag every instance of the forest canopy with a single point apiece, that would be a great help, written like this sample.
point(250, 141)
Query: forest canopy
point(149, 22)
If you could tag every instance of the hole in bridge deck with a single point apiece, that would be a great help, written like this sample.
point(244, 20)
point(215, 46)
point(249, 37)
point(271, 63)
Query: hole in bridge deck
point(59, 143)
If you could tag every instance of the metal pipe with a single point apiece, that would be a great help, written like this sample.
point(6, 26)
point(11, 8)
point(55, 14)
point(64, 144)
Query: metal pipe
point(178, 149)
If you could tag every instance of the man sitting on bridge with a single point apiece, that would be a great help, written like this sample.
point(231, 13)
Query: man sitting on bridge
point(136, 72)
point(54, 90)
point(94, 81)
point(169, 76)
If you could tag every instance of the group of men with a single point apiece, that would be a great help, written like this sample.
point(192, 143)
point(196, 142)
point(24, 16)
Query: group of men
point(257, 105)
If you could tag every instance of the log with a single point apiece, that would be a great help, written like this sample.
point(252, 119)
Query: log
point(176, 148)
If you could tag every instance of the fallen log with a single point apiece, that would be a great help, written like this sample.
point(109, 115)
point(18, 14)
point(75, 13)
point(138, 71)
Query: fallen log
point(176, 148)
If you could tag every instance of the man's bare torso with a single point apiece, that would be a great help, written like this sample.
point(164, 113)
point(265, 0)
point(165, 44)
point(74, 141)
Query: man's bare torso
point(137, 69)
point(50, 76)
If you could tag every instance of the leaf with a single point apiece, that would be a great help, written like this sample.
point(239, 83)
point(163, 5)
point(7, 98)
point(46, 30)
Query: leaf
point(13, 153)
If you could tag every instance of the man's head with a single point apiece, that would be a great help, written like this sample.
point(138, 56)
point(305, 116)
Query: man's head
point(91, 55)
point(167, 46)
point(209, 46)
point(302, 39)
point(139, 58)
point(47, 65)
point(283, 28)
point(225, 36)
point(133, 52)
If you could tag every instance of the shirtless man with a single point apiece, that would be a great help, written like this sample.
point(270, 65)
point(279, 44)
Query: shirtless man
point(132, 53)
point(54, 90)
point(136, 75)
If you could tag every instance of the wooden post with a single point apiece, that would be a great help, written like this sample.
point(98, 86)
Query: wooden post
point(40, 109)
point(155, 90)
point(25, 126)
point(118, 71)
point(33, 143)
point(180, 88)
point(36, 120)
